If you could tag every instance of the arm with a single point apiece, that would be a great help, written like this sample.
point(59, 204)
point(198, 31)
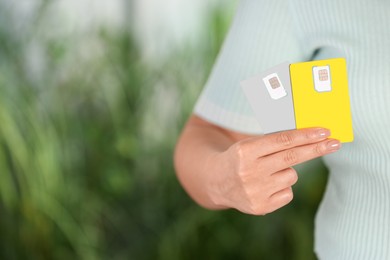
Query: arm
point(222, 169)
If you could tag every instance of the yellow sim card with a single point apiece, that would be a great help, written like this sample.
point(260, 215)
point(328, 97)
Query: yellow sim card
point(320, 96)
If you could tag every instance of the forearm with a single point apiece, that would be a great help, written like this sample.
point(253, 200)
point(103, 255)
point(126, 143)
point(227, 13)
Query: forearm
point(195, 150)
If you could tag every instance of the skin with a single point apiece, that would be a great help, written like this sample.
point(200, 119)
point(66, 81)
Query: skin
point(223, 169)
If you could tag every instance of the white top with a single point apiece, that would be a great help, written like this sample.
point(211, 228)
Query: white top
point(353, 221)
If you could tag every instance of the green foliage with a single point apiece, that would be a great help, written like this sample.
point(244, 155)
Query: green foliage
point(86, 158)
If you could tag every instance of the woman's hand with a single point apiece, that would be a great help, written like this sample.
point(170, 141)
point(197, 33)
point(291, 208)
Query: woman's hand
point(222, 169)
point(255, 175)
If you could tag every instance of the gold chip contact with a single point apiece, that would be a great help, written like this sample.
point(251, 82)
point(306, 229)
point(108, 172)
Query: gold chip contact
point(274, 82)
point(323, 75)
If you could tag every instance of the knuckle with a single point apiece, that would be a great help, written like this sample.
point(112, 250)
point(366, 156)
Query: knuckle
point(319, 149)
point(284, 139)
point(286, 197)
point(256, 206)
point(289, 196)
point(290, 157)
point(292, 176)
point(271, 208)
point(257, 210)
point(309, 135)
point(268, 210)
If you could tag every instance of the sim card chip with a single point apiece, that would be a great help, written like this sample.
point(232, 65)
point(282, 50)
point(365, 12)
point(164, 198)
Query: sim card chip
point(323, 75)
point(274, 86)
point(322, 79)
point(274, 82)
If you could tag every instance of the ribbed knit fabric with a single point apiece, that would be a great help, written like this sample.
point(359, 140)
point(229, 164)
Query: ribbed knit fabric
point(353, 221)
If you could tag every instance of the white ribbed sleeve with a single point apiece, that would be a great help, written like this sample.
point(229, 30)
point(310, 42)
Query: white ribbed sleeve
point(260, 37)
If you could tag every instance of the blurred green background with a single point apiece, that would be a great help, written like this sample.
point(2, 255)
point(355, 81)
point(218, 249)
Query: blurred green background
point(89, 117)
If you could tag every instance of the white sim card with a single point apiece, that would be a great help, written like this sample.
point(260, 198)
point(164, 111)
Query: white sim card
point(274, 86)
point(322, 80)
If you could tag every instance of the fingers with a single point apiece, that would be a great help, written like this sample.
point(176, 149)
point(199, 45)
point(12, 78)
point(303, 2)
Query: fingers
point(284, 193)
point(280, 199)
point(283, 179)
point(262, 167)
point(277, 142)
point(287, 158)
point(276, 201)
point(277, 193)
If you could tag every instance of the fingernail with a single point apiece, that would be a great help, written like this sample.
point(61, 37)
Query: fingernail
point(322, 133)
point(333, 145)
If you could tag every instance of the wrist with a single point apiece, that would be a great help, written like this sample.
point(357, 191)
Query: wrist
point(217, 180)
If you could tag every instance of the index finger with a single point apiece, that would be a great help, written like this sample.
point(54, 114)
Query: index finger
point(273, 143)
